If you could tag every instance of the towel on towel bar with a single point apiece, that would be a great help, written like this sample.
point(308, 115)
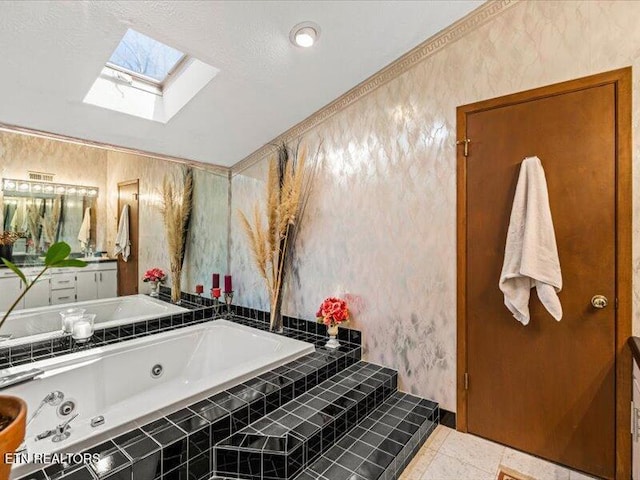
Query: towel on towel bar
point(84, 235)
point(531, 255)
point(123, 244)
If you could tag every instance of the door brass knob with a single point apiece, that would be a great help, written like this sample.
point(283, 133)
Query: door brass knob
point(599, 301)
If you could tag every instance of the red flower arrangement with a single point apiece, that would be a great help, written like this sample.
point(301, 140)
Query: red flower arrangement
point(333, 311)
point(154, 275)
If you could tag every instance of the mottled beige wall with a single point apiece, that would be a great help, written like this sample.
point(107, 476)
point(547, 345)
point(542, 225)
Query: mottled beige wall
point(381, 223)
point(71, 163)
point(207, 247)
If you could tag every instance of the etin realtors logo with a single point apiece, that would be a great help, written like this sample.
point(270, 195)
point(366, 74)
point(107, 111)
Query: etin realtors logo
point(21, 458)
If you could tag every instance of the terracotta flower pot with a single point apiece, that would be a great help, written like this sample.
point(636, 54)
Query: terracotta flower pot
point(13, 434)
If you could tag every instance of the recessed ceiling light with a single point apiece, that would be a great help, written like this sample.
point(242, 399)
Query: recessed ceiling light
point(304, 34)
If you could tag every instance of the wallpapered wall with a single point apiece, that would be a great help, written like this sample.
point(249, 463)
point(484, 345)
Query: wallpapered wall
point(84, 165)
point(381, 223)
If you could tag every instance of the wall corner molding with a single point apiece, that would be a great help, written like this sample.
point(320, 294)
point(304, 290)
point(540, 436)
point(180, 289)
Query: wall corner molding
point(475, 19)
point(209, 167)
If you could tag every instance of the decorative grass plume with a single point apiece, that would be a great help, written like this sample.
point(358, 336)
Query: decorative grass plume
point(175, 206)
point(289, 184)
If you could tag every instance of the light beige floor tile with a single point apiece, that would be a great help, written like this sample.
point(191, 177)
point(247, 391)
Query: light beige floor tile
point(421, 462)
point(533, 466)
point(437, 437)
point(472, 450)
point(448, 452)
point(444, 467)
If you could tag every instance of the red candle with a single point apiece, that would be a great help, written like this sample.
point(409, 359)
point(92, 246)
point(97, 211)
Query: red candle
point(215, 292)
point(227, 284)
point(215, 280)
point(199, 289)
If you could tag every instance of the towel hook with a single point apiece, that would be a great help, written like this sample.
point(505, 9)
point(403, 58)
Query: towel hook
point(466, 143)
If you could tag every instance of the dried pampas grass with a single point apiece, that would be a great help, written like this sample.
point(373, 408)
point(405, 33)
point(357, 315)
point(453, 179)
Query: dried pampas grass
point(289, 184)
point(51, 222)
point(33, 224)
point(175, 206)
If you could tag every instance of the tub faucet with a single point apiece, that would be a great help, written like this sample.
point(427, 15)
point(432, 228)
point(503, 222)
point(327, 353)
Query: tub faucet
point(61, 432)
point(54, 398)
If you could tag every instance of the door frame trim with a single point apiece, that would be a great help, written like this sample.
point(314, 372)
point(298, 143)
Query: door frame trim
point(621, 79)
point(125, 184)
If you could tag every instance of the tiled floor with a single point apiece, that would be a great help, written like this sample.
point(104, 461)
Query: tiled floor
point(451, 455)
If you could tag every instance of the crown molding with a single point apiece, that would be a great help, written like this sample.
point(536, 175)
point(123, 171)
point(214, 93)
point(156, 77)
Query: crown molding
point(432, 45)
point(215, 169)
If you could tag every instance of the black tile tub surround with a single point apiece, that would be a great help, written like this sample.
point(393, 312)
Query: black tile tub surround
point(345, 334)
point(179, 446)
point(382, 445)
point(281, 444)
point(199, 313)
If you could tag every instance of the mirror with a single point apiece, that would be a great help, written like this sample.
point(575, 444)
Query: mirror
point(51, 206)
point(42, 219)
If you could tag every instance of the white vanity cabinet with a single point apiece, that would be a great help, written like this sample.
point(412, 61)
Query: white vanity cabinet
point(108, 283)
point(86, 285)
point(63, 286)
point(38, 296)
point(10, 286)
point(93, 283)
point(59, 286)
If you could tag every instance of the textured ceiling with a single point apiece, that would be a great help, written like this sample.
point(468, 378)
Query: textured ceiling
point(53, 51)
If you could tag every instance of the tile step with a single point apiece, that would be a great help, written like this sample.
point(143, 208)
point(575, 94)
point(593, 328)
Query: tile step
point(284, 442)
point(381, 446)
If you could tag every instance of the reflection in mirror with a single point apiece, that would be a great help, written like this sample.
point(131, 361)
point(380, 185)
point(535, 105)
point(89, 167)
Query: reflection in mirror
point(42, 219)
point(44, 323)
point(45, 207)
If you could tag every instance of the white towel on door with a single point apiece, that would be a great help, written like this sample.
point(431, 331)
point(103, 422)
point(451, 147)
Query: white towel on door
point(531, 255)
point(84, 235)
point(123, 244)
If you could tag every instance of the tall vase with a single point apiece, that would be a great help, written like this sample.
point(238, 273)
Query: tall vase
point(276, 314)
point(176, 280)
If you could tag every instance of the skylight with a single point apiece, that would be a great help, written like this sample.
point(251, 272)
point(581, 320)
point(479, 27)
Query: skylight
point(144, 57)
point(148, 79)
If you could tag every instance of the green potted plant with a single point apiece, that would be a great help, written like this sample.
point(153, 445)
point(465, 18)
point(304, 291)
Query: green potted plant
point(13, 410)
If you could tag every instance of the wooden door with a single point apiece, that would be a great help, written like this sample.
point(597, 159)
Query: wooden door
point(128, 271)
point(549, 388)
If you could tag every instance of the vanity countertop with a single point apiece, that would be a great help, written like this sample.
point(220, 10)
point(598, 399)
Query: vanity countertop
point(37, 262)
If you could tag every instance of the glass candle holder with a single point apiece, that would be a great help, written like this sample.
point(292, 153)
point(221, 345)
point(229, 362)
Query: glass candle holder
point(82, 329)
point(69, 316)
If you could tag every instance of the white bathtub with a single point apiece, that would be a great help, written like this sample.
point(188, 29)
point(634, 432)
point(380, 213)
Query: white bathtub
point(115, 381)
point(44, 322)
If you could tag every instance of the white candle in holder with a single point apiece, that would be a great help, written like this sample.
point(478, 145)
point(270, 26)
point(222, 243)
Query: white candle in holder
point(69, 316)
point(67, 322)
point(83, 327)
point(82, 330)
